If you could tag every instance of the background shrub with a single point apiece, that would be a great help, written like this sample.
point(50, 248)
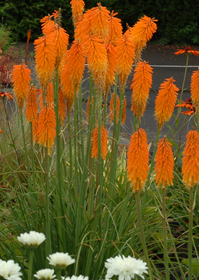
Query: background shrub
point(178, 21)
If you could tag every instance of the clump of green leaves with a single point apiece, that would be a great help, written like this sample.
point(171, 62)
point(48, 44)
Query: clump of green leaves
point(5, 38)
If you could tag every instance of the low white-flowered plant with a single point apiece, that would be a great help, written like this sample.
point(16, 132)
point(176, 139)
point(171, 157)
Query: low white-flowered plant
point(45, 274)
point(80, 277)
point(60, 260)
point(10, 270)
point(31, 239)
point(125, 268)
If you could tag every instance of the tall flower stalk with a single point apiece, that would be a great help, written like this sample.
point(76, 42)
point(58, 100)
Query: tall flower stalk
point(164, 176)
point(190, 172)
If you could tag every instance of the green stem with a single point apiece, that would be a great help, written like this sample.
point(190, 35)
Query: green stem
point(190, 231)
point(185, 74)
point(8, 123)
point(99, 165)
point(75, 141)
point(59, 169)
point(48, 236)
point(165, 233)
point(153, 158)
point(137, 196)
point(30, 264)
point(25, 148)
point(58, 274)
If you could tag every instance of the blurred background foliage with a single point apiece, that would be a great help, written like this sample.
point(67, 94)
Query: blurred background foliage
point(178, 20)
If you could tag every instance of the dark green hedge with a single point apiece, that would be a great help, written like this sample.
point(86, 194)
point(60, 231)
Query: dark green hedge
point(178, 20)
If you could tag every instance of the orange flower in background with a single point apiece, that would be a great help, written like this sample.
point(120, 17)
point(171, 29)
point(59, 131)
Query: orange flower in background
point(21, 81)
point(165, 101)
point(8, 94)
point(190, 160)
point(31, 104)
point(141, 33)
point(141, 85)
point(76, 62)
point(94, 142)
point(138, 159)
point(112, 65)
point(115, 28)
point(62, 106)
point(164, 163)
point(111, 107)
point(195, 89)
point(100, 20)
point(124, 111)
point(45, 57)
point(187, 50)
point(97, 60)
point(125, 57)
point(188, 105)
point(77, 9)
point(1, 130)
point(46, 127)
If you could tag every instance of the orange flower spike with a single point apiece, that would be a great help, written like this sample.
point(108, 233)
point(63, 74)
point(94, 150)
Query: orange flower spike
point(165, 101)
point(190, 160)
point(195, 89)
point(125, 57)
point(164, 163)
point(124, 111)
point(141, 85)
point(21, 81)
point(143, 31)
point(76, 62)
point(138, 159)
point(67, 87)
point(97, 59)
point(46, 127)
point(112, 65)
point(83, 26)
point(45, 57)
point(62, 40)
point(46, 22)
point(62, 106)
point(77, 9)
point(111, 107)
point(115, 28)
point(100, 20)
point(31, 104)
point(94, 143)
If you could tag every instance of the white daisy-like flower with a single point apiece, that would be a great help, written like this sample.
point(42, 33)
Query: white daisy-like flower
point(31, 239)
point(45, 274)
point(60, 260)
point(10, 270)
point(125, 268)
point(80, 277)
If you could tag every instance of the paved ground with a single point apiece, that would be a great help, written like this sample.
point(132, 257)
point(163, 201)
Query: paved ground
point(165, 65)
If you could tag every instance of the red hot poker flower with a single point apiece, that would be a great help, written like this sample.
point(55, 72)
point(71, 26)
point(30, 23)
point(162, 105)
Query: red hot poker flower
point(164, 163)
point(138, 159)
point(190, 160)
